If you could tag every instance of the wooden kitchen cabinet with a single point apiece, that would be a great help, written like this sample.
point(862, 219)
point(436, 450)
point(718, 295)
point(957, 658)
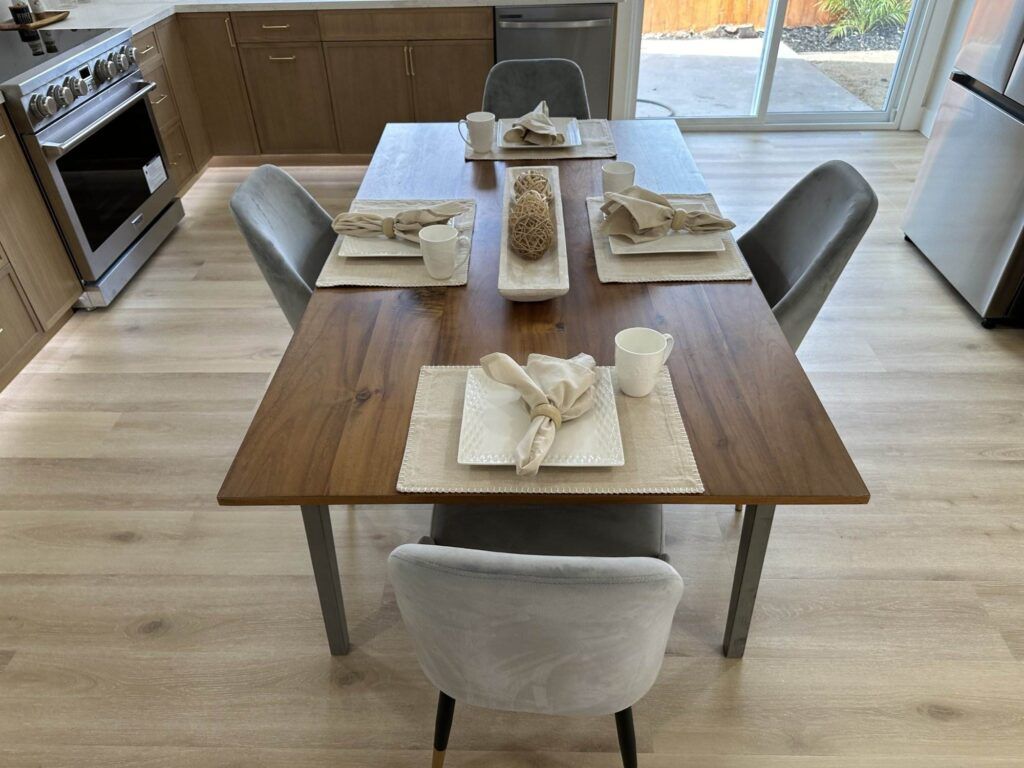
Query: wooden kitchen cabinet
point(276, 27)
point(448, 77)
point(19, 334)
point(289, 95)
point(219, 83)
point(370, 87)
point(175, 60)
point(179, 161)
point(408, 24)
point(29, 237)
point(161, 98)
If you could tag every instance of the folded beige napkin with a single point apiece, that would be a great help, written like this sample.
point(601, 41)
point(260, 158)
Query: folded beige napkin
point(404, 225)
point(555, 391)
point(535, 128)
point(641, 216)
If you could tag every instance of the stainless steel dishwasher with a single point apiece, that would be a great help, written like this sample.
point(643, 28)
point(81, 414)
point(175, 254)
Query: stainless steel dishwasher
point(582, 33)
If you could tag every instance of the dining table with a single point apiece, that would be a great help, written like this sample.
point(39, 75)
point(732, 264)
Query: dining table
point(332, 425)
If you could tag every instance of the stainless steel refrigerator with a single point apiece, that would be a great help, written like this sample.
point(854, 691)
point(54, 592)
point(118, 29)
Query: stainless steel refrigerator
point(966, 213)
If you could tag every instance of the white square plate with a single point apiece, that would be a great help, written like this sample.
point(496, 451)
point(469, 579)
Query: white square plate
point(674, 241)
point(494, 420)
point(386, 247)
point(567, 126)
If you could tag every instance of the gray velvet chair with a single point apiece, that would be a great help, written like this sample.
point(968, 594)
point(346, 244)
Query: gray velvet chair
point(798, 250)
point(514, 87)
point(530, 633)
point(289, 234)
point(591, 530)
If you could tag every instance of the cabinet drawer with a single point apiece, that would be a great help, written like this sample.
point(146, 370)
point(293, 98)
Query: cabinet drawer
point(179, 160)
point(409, 24)
point(16, 325)
point(165, 109)
point(147, 48)
point(287, 27)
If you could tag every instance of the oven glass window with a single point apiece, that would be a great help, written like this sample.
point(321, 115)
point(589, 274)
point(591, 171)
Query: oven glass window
point(114, 171)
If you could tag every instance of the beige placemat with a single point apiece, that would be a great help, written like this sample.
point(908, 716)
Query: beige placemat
point(663, 267)
point(657, 450)
point(595, 134)
point(392, 272)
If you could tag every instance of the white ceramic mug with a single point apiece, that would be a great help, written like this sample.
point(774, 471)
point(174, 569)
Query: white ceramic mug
point(439, 245)
point(480, 126)
point(617, 176)
point(639, 355)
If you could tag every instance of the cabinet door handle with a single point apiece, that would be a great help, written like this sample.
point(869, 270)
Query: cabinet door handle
point(275, 26)
point(281, 58)
point(227, 26)
point(405, 59)
point(145, 50)
point(162, 97)
point(3, 136)
point(412, 63)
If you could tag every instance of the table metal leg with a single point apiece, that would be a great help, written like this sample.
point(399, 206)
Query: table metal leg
point(320, 537)
point(757, 525)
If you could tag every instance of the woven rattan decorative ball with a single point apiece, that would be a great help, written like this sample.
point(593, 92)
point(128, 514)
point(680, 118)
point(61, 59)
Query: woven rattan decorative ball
point(530, 233)
point(533, 180)
point(530, 201)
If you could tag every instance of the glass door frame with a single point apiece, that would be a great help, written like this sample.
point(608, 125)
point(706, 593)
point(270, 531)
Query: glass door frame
point(763, 119)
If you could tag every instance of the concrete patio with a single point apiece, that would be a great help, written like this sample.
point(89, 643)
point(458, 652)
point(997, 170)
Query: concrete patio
point(716, 78)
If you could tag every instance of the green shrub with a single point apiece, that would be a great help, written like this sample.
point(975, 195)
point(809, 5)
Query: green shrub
point(864, 15)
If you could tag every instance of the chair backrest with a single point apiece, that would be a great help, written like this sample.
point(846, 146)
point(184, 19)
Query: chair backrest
point(536, 633)
point(289, 234)
point(516, 86)
point(798, 250)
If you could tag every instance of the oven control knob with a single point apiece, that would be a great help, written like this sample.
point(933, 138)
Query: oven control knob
point(103, 69)
point(61, 94)
point(42, 105)
point(120, 61)
point(77, 85)
point(131, 52)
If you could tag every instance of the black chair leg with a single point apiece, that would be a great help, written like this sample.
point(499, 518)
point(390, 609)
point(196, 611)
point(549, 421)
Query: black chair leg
point(443, 727)
point(627, 737)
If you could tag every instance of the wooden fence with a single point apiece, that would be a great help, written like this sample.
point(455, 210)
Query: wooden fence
point(673, 15)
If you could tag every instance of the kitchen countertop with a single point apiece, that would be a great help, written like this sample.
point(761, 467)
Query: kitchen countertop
point(139, 16)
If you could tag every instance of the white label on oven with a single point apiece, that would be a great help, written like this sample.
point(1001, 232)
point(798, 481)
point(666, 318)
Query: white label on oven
point(155, 173)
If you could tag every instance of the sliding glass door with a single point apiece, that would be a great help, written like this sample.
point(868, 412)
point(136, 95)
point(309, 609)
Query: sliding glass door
point(775, 62)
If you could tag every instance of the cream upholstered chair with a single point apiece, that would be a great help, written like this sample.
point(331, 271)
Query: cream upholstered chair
point(289, 234)
point(534, 633)
point(514, 87)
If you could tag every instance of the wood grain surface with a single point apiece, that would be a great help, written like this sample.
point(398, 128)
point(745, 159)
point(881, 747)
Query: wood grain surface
point(332, 426)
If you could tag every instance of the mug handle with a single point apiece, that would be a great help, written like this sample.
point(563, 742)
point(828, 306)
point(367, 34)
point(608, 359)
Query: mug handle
point(669, 343)
point(465, 138)
point(462, 244)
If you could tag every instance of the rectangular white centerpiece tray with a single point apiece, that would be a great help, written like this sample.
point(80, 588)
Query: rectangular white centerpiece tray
point(495, 418)
point(520, 279)
point(675, 241)
point(567, 126)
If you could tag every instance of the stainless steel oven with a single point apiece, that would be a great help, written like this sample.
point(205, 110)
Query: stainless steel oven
point(87, 125)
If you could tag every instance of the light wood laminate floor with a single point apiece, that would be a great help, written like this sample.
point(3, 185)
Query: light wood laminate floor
point(140, 624)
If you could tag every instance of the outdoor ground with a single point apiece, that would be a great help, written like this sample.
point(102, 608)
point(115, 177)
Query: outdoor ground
point(687, 75)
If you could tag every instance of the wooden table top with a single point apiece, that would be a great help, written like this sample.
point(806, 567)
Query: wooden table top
point(332, 426)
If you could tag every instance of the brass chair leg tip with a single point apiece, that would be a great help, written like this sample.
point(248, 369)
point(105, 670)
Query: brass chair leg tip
point(438, 761)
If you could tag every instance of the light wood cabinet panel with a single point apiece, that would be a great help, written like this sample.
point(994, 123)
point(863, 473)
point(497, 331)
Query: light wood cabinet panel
point(370, 87)
point(179, 161)
point(219, 84)
point(448, 78)
point(280, 27)
point(161, 98)
point(17, 327)
point(29, 235)
point(408, 24)
point(172, 48)
point(289, 95)
point(147, 47)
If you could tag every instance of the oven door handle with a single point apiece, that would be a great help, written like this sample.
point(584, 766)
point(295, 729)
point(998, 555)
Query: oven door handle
point(58, 148)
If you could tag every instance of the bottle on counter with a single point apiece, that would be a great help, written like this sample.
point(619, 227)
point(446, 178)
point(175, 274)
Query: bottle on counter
point(21, 13)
